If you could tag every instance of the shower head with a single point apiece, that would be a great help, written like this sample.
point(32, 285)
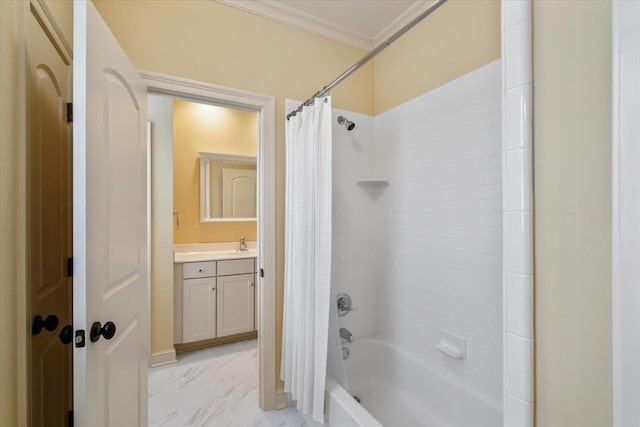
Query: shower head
point(347, 123)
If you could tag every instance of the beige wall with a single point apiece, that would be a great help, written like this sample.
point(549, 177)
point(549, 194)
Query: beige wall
point(455, 40)
point(572, 115)
point(213, 129)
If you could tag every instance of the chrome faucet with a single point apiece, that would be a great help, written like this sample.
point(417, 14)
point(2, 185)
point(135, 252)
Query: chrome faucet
point(243, 245)
point(346, 335)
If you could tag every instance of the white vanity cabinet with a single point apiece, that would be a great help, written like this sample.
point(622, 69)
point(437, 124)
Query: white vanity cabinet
point(214, 299)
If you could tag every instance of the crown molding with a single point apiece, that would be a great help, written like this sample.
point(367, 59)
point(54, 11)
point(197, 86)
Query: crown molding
point(304, 21)
point(403, 19)
point(284, 14)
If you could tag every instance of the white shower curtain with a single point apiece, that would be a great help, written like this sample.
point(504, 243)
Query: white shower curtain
point(307, 256)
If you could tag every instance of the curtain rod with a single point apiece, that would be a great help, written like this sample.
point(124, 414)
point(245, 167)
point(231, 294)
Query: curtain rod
point(436, 4)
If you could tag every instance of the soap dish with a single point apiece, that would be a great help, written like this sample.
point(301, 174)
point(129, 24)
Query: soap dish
point(452, 345)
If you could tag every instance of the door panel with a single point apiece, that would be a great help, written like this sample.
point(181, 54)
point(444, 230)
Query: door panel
point(49, 224)
point(236, 297)
point(110, 231)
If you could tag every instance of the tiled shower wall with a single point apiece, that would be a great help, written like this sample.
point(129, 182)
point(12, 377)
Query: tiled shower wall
point(352, 269)
point(439, 227)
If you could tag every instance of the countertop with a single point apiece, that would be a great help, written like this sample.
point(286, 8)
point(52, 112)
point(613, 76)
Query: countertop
point(212, 252)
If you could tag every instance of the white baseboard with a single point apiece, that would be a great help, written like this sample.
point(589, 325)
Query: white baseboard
point(282, 400)
point(163, 358)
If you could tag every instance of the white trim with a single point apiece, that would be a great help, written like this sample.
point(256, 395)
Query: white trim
point(54, 31)
point(232, 158)
point(265, 106)
point(615, 211)
point(163, 358)
point(282, 400)
point(403, 19)
point(304, 21)
point(625, 210)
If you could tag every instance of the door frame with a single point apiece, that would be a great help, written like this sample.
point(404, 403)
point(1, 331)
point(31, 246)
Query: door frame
point(264, 105)
point(625, 209)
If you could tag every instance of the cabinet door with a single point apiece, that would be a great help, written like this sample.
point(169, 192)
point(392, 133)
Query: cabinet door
point(236, 298)
point(198, 309)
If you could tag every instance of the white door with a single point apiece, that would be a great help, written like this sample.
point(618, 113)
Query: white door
point(49, 222)
point(109, 207)
point(198, 309)
point(236, 301)
point(238, 193)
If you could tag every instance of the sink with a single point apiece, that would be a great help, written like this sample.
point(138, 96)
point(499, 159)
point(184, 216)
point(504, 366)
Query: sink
point(214, 255)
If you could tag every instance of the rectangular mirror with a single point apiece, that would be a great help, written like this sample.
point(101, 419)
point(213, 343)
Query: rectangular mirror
point(227, 187)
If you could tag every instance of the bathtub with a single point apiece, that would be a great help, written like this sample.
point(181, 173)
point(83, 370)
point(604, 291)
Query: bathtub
point(396, 389)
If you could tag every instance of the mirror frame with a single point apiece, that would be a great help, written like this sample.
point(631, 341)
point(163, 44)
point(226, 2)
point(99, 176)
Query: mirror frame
point(205, 180)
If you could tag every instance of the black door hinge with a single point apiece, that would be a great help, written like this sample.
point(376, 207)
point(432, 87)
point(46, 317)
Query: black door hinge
point(69, 112)
point(70, 418)
point(261, 273)
point(80, 342)
point(70, 267)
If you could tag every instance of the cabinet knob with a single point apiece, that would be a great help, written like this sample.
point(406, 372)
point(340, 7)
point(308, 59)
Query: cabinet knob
point(251, 283)
point(213, 289)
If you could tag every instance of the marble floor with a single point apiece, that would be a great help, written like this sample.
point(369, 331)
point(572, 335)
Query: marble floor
point(213, 387)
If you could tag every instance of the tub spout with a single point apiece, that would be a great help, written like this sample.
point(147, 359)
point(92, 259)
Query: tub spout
point(346, 335)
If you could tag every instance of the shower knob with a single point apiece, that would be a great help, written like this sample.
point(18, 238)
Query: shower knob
point(344, 304)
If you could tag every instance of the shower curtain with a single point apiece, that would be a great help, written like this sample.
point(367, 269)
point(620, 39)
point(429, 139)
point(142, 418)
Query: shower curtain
point(307, 256)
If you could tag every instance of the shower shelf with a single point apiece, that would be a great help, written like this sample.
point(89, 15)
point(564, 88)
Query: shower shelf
point(377, 180)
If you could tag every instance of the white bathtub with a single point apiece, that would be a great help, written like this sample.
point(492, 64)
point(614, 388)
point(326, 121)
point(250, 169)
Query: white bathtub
point(397, 390)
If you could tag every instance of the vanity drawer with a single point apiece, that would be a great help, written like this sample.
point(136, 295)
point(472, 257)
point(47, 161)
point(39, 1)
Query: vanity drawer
point(236, 266)
point(193, 270)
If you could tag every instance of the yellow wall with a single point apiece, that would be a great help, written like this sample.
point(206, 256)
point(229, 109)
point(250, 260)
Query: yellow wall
point(213, 129)
point(456, 39)
point(572, 109)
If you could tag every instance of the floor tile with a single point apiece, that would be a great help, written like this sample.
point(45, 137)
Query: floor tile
point(213, 387)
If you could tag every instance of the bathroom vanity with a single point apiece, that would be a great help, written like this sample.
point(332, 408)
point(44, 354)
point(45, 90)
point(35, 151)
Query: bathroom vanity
point(214, 294)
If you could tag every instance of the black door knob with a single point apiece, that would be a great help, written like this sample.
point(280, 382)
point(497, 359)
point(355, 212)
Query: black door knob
point(66, 334)
point(50, 324)
point(107, 331)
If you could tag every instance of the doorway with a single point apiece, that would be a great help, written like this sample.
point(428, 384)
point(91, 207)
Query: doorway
point(203, 260)
point(209, 99)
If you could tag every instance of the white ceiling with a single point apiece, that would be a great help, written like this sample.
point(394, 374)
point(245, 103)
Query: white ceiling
point(360, 23)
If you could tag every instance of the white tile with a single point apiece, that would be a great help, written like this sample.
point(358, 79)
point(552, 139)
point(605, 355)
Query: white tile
point(519, 179)
point(518, 53)
point(519, 306)
point(515, 12)
point(517, 412)
point(214, 387)
point(520, 367)
point(518, 242)
point(518, 117)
